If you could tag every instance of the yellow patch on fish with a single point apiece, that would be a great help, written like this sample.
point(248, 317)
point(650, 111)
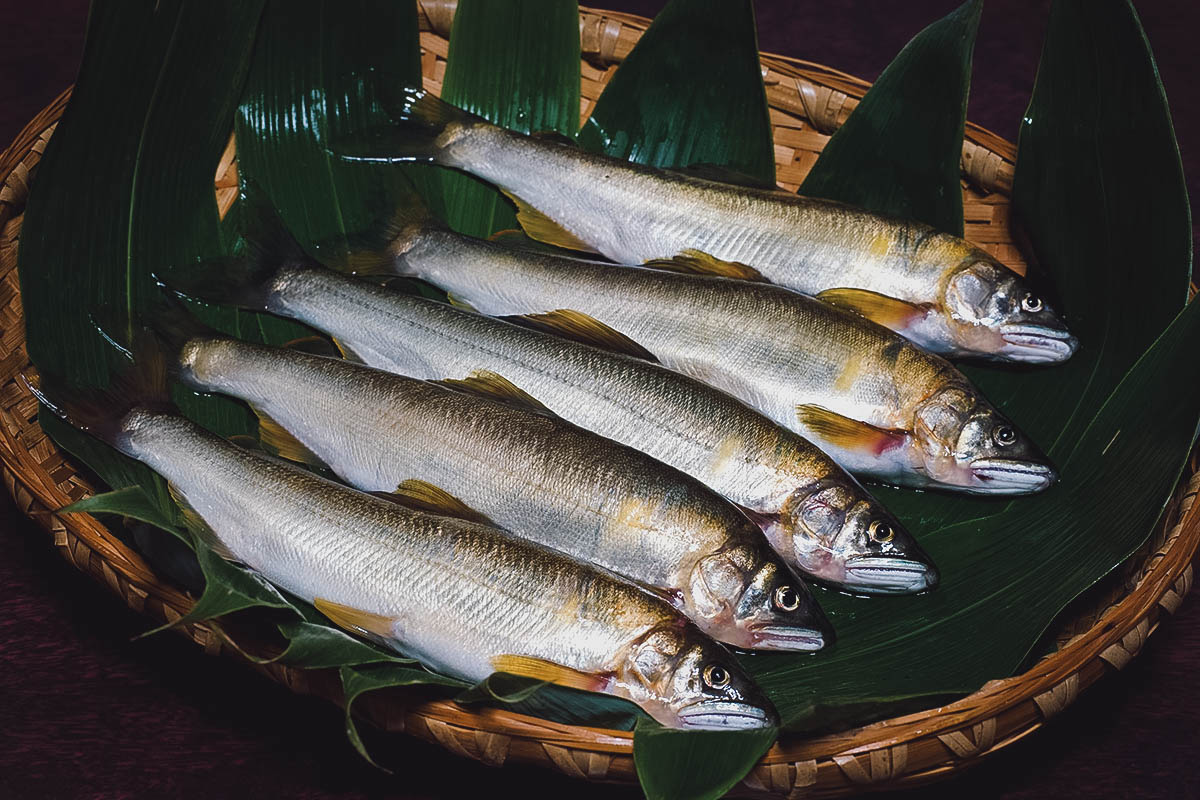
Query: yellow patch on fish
point(880, 244)
point(635, 512)
point(849, 374)
point(729, 451)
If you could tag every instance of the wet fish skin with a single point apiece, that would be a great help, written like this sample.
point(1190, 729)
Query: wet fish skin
point(945, 293)
point(456, 594)
point(778, 351)
point(534, 474)
point(813, 514)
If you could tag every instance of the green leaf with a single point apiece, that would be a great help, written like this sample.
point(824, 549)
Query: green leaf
point(695, 765)
point(516, 63)
point(132, 501)
point(357, 680)
point(556, 703)
point(690, 92)
point(898, 153)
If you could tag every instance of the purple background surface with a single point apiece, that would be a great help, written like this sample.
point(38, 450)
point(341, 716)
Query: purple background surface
point(87, 712)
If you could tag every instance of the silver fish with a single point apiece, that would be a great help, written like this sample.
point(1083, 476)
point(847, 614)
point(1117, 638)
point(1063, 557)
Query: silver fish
point(939, 290)
point(465, 599)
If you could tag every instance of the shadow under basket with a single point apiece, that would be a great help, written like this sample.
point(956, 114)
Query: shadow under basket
point(1098, 634)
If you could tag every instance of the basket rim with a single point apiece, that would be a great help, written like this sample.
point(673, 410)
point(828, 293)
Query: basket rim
point(1042, 690)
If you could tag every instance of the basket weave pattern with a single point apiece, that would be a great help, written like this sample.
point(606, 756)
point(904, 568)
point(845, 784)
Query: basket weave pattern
point(807, 103)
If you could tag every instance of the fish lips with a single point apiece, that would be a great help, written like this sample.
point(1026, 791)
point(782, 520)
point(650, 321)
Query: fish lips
point(724, 715)
point(1011, 476)
point(889, 575)
point(1036, 344)
point(767, 636)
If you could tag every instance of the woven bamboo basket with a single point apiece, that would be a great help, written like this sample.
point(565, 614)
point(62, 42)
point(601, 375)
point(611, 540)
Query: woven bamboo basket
point(1097, 635)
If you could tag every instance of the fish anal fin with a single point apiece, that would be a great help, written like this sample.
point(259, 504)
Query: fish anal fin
point(849, 434)
point(356, 620)
point(425, 496)
point(580, 327)
point(197, 526)
point(277, 439)
point(543, 670)
point(541, 228)
point(889, 312)
point(697, 262)
point(486, 383)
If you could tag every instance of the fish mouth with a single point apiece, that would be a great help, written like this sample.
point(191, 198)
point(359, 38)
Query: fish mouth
point(884, 575)
point(1037, 344)
point(723, 715)
point(787, 637)
point(1010, 476)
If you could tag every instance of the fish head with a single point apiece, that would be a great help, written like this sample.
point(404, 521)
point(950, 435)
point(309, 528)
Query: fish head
point(836, 531)
point(686, 680)
point(746, 596)
point(967, 445)
point(990, 311)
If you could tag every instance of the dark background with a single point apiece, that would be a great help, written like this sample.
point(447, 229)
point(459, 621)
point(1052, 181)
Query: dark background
point(86, 712)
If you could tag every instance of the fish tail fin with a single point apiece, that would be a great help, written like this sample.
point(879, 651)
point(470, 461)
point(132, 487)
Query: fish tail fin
point(244, 279)
point(380, 249)
point(174, 325)
point(140, 384)
point(419, 133)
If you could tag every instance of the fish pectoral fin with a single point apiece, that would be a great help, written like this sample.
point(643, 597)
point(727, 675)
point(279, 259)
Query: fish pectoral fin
point(846, 433)
point(541, 228)
point(278, 440)
point(697, 262)
point(886, 311)
point(543, 670)
point(197, 526)
point(424, 496)
point(580, 327)
point(356, 620)
point(485, 383)
point(762, 519)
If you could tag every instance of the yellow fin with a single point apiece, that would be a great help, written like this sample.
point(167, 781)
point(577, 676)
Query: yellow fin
point(542, 670)
point(278, 440)
point(697, 262)
point(458, 302)
point(424, 496)
point(541, 228)
point(346, 352)
point(196, 524)
point(580, 327)
point(848, 434)
point(886, 311)
point(486, 383)
point(354, 620)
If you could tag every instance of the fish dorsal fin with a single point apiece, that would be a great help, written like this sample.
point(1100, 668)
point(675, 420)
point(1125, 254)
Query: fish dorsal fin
point(697, 262)
point(197, 526)
point(424, 496)
point(719, 174)
point(486, 383)
point(580, 327)
point(541, 228)
point(313, 346)
point(280, 441)
point(355, 620)
point(879, 308)
point(543, 670)
point(849, 434)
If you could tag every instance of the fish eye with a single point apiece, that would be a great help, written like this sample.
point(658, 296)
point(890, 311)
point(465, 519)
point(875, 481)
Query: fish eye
point(1005, 435)
point(716, 676)
point(1031, 302)
point(881, 531)
point(787, 598)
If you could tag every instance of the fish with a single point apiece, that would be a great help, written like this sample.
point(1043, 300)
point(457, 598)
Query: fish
point(939, 290)
point(482, 450)
point(815, 515)
point(463, 598)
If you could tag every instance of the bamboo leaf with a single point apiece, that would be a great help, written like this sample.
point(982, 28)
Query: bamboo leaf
point(898, 152)
point(694, 765)
point(690, 92)
point(131, 501)
point(516, 63)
